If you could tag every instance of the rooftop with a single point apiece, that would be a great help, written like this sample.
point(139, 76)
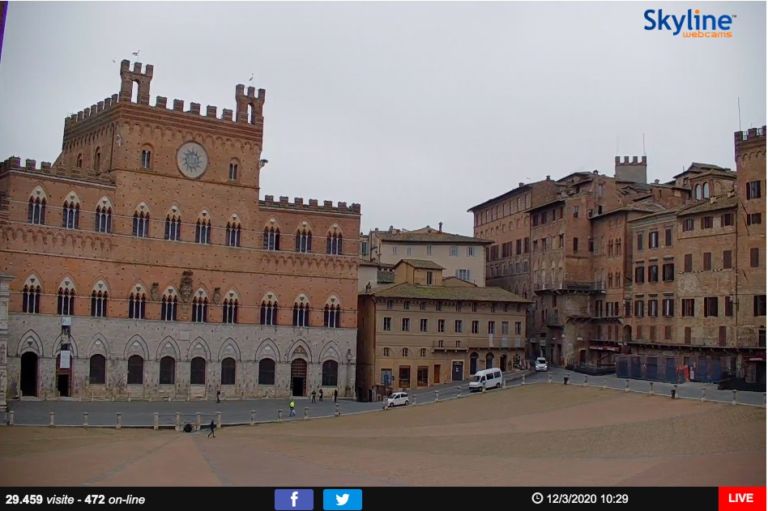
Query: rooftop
point(420, 264)
point(478, 294)
point(711, 204)
point(428, 235)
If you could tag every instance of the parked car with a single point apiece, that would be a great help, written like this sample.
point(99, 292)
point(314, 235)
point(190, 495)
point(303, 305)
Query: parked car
point(397, 399)
point(541, 364)
point(486, 379)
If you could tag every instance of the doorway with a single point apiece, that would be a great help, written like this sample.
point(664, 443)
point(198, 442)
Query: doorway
point(298, 377)
point(457, 371)
point(473, 363)
point(62, 384)
point(63, 377)
point(29, 374)
point(503, 363)
point(489, 361)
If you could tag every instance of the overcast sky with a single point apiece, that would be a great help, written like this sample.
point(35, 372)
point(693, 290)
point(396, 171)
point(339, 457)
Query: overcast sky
point(418, 111)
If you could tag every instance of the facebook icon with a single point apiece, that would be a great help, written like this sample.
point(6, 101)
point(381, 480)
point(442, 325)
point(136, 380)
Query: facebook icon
point(294, 500)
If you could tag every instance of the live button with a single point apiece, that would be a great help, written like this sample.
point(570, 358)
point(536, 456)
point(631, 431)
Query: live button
point(741, 498)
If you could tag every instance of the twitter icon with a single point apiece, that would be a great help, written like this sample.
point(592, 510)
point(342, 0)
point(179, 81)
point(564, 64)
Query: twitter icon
point(349, 500)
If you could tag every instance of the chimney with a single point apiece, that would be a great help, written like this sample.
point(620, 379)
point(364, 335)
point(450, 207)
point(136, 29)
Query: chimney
point(440, 227)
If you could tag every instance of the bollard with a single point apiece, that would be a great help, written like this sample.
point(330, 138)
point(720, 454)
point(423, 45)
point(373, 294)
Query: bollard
point(52, 419)
point(458, 392)
point(338, 411)
point(437, 396)
point(253, 417)
point(565, 380)
point(85, 419)
point(626, 386)
point(650, 392)
point(169, 398)
point(118, 420)
point(523, 382)
point(549, 378)
point(218, 420)
point(178, 421)
point(11, 417)
point(674, 391)
point(306, 412)
point(703, 394)
point(197, 421)
point(483, 389)
point(585, 380)
point(733, 401)
point(279, 414)
point(156, 421)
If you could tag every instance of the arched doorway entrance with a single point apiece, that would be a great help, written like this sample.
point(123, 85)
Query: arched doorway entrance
point(627, 333)
point(299, 377)
point(503, 363)
point(64, 374)
point(489, 360)
point(473, 363)
point(29, 374)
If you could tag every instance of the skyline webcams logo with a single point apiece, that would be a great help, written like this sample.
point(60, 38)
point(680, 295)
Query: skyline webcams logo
point(691, 24)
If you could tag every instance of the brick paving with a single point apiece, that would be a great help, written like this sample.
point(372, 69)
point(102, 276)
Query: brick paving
point(531, 435)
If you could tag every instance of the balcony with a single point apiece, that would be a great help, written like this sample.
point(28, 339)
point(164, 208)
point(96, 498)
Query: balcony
point(553, 320)
point(449, 346)
point(494, 341)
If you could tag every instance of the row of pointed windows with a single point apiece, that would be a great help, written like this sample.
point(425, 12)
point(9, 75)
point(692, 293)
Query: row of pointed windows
point(137, 302)
point(141, 223)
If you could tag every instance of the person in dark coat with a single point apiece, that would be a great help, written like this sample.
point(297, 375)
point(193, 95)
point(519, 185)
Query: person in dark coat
point(213, 429)
point(335, 395)
point(321, 395)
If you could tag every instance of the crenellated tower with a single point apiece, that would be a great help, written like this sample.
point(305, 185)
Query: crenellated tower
point(129, 77)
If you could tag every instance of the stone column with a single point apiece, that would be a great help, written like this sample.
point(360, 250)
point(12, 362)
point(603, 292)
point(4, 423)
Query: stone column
point(5, 293)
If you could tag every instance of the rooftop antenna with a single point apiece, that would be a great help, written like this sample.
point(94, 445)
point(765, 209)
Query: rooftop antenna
point(738, 105)
point(644, 145)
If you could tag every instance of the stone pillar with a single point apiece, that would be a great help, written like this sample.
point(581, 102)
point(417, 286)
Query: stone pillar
point(5, 293)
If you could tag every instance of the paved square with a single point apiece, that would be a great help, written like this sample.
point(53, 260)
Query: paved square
point(535, 435)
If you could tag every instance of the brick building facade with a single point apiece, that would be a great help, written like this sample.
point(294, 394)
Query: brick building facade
point(673, 270)
point(145, 255)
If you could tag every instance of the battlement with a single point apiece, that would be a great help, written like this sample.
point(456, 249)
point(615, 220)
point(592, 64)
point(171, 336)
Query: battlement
point(313, 205)
point(634, 161)
point(14, 163)
point(634, 171)
point(249, 103)
point(750, 136)
point(93, 111)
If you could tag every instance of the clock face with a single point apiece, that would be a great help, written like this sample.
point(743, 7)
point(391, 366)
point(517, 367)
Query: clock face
point(192, 160)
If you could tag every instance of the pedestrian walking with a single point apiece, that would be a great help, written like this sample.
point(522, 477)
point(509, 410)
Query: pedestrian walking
point(335, 395)
point(313, 395)
point(218, 396)
point(212, 433)
point(321, 395)
point(292, 406)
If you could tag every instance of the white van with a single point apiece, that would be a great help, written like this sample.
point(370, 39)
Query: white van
point(486, 379)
